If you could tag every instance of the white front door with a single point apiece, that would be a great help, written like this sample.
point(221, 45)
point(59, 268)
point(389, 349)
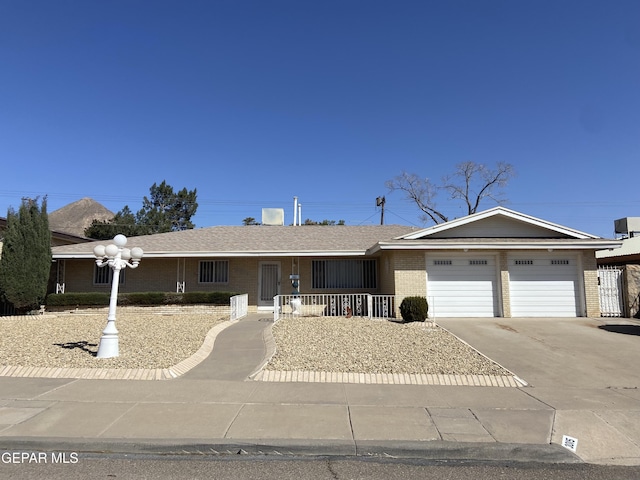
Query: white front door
point(268, 283)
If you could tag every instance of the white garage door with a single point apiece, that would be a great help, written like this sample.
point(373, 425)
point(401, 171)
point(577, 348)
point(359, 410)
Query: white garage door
point(462, 286)
point(543, 287)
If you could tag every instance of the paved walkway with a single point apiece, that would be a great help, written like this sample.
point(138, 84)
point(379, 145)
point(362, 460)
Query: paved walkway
point(212, 408)
point(241, 351)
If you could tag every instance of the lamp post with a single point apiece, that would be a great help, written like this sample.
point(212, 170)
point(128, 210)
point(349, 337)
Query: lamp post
point(117, 257)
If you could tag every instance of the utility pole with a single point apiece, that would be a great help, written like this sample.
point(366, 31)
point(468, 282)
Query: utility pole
point(380, 203)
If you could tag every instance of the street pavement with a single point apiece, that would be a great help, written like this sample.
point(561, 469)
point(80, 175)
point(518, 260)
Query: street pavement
point(582, 381)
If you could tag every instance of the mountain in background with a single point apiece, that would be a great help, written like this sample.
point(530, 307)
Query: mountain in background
point(77, 216)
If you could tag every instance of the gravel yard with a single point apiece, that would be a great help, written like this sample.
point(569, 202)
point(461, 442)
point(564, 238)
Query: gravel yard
point(152, 341)
point(356, 345)
point(71, 340)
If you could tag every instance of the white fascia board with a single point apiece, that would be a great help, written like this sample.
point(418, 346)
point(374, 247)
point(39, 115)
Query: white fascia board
point(254, 254)
point(578, 245)
point(497, 211)
point(346, 253)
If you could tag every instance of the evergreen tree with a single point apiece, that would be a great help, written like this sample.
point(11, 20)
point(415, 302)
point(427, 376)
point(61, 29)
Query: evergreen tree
point(166, 211)
point(25, 263)
point(123, 222)
point(163, 211)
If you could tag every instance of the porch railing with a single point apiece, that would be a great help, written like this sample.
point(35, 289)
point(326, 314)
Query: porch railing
point(239, 306)
point(334, 304)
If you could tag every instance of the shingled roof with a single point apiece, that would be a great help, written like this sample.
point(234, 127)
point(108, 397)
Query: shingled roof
point(254, 240)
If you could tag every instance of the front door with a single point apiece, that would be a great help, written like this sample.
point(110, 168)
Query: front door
point(268, 283)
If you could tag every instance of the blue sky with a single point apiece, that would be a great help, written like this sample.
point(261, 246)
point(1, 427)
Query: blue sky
point(255, 102)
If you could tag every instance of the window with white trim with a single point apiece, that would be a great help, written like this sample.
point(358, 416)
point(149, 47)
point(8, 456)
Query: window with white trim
point(346, 273)
point(478, 262)
point(213, 271)
point(562, 261)
point(103, 275)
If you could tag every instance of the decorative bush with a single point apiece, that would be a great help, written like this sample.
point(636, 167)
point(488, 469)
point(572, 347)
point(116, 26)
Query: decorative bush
point(414, 309)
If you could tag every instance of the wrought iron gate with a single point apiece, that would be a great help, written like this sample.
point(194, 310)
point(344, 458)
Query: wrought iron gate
point(610, 290)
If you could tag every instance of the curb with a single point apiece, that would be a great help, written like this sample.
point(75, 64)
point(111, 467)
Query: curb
point(429, 450)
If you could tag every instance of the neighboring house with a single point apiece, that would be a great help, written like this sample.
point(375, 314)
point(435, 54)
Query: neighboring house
point(627, 260)
point(497, 263)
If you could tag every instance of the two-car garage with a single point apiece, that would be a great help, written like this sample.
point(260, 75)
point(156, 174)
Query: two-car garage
point(470, 285)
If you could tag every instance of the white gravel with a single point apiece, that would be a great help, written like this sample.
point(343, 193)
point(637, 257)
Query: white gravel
point(150, 341)
point(71, 340)
point(357, 345)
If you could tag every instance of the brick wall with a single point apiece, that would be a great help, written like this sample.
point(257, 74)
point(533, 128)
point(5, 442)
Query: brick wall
point(505, 294)
point(590, 280)
point(410, 275)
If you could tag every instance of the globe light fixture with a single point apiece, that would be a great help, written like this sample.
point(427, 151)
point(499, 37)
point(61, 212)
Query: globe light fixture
point(116, 256)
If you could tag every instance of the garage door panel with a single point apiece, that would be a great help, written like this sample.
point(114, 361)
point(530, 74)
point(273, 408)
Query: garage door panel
point(543, 287)
point(462, 287)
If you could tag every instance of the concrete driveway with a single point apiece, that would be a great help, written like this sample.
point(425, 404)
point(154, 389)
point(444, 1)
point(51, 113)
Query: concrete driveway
point(587, 369)
point(558, 352)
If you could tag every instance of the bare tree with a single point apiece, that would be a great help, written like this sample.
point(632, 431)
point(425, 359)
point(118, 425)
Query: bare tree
point(471, 183)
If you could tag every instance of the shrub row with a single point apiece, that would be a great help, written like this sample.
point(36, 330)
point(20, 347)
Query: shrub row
point(139, 298)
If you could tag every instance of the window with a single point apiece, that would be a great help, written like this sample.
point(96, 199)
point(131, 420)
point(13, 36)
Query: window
point(443, 262)
point(349, 273)
point(524, 262)
point(214, 271)
point(560, 262)
point(103, 275)
point(478, 262)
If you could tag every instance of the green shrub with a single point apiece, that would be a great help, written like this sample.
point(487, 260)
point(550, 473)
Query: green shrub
point(75, 299)
point(138, 298)
point(215, 298)
point(141, 298)
point(414, 309)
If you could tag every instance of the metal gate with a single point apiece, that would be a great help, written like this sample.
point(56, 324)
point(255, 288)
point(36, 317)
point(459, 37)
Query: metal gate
point(610, 290)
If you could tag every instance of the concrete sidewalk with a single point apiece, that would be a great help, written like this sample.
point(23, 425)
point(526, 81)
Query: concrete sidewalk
point(214, 408)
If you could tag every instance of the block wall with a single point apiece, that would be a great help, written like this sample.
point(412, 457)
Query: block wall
point(590, 280)
point(410, 275)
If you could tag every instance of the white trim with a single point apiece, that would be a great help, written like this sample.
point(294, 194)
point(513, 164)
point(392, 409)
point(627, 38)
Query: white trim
point(179, 254)
point(499, 244)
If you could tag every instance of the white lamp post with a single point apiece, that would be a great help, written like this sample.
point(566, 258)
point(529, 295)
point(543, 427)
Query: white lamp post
point(117, 257)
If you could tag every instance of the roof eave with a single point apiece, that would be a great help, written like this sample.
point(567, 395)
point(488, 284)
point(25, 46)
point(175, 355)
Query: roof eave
point(236, 254)
point(456, 245)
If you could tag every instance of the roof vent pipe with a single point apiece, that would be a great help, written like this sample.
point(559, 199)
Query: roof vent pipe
point(299, 214)
point(295, 210)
